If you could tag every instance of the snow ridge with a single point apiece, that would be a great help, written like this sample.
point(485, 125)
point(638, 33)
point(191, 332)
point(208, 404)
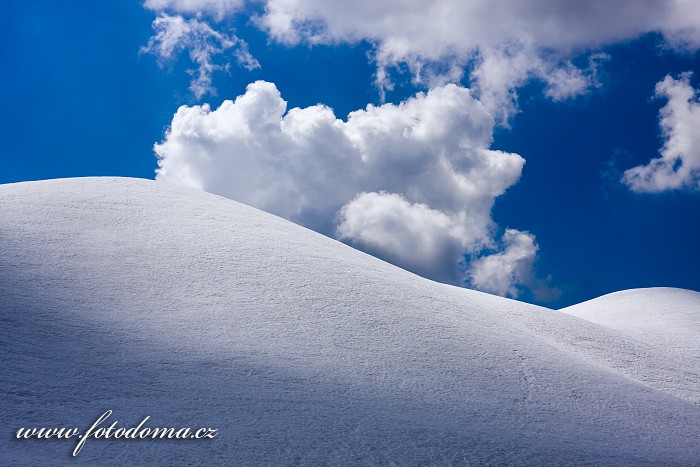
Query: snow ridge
point(151, 299)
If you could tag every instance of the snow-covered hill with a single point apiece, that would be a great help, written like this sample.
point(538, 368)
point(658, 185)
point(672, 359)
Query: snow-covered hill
point(151, 299)
point(659, 312)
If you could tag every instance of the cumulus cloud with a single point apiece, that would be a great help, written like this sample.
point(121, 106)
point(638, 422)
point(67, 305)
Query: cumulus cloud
point(504, 273)
point(679, 164)
point(413, 183)
point(422, 239)
point(174, 34)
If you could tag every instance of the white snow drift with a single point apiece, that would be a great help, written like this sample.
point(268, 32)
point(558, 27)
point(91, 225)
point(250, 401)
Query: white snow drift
point(151, 299)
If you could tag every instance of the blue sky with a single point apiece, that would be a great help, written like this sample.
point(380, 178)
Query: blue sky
point(82, 97)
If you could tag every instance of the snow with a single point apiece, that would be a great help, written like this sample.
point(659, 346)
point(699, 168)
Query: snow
point(151, 299)
point(662, 317)
point(658, 312)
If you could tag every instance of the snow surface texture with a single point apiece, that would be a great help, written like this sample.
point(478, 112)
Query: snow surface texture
point(151, 299)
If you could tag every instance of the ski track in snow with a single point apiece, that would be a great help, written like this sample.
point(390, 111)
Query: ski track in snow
point(151, 299)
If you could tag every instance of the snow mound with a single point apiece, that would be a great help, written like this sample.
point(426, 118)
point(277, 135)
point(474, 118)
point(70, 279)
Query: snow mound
point(150, 299)
point(665, 317)
point(655, 310)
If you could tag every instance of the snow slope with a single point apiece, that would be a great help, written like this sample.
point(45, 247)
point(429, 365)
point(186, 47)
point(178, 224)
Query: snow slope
point(151, 299)
point(663, 317)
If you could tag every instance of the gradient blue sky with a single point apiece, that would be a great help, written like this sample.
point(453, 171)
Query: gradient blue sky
point(80, 100)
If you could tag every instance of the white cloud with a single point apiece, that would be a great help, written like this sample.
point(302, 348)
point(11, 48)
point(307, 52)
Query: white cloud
point(681, 25)
point(414, 183)
point(215, 8)
point(509, 44)
point(498, 72)
point(503, 273)
point(679, 164)
point(506, 46)
point(424, 240)
point(174, 34)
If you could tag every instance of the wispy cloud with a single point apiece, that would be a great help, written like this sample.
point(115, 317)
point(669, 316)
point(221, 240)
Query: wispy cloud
point(679, 164)
point(175, 34)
